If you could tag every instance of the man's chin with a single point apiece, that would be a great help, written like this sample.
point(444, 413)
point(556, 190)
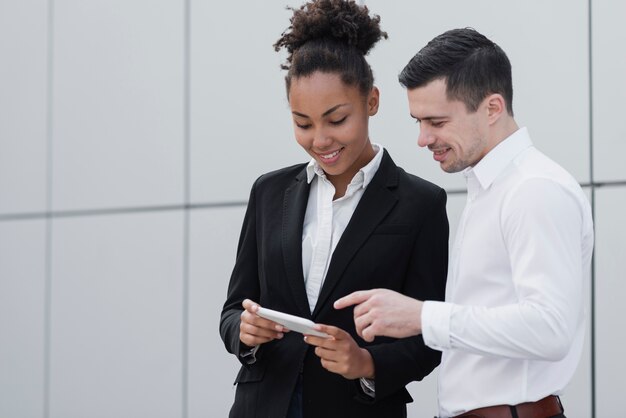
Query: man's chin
point(451, 168)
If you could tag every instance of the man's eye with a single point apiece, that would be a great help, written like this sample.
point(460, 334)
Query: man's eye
point(437, 124)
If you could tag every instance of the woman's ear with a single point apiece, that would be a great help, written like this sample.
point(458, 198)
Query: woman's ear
point(373, 100)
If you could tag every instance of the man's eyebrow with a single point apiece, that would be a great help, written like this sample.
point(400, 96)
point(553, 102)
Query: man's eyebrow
point(426, 117)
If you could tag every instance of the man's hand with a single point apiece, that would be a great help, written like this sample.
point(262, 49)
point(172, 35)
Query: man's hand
point(383, 312)
point(341, 354)
point(254, 330)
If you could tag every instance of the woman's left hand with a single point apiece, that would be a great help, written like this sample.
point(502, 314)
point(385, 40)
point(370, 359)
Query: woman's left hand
point(340, 354)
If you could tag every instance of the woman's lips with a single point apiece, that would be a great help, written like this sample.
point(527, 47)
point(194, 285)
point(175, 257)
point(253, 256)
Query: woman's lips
point(330, 157)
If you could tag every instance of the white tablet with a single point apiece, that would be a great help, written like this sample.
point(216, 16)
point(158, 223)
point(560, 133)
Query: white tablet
point(292, 322)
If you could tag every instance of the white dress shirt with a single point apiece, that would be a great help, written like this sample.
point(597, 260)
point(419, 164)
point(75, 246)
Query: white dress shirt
point(512, 327)
point(326, 219)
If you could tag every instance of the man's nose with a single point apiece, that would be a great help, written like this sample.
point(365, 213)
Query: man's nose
point(425, 137)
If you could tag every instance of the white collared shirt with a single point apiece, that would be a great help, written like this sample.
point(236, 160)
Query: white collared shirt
point(512, 327)
point(326, 219)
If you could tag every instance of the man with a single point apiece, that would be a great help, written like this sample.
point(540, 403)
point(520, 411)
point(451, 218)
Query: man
point(511, 329)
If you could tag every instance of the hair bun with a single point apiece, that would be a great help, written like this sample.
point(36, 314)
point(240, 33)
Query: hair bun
point(335, 20)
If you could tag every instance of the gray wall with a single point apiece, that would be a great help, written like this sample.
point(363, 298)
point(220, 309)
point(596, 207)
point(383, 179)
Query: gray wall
point(132, 130)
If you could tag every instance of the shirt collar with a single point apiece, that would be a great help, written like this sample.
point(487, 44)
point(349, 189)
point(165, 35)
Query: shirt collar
point(366, 173)
point(496, 160)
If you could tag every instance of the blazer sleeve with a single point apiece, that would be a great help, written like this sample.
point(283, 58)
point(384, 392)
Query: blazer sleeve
point(402, 361)
point(244, 281)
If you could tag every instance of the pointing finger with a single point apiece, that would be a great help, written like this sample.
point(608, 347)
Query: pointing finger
point(354, 298)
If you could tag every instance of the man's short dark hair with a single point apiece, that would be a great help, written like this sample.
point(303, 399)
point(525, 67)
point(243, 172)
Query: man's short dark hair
point(472, 66)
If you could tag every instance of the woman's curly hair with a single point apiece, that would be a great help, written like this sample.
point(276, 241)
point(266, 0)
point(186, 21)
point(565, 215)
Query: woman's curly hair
point(331, 36)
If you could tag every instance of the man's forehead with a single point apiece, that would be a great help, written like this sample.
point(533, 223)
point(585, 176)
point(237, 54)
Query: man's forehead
point(432, 97)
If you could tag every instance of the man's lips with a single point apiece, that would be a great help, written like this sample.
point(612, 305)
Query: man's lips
point(439, 154)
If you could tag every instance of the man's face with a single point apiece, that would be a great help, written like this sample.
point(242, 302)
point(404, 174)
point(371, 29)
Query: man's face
point(457, 138)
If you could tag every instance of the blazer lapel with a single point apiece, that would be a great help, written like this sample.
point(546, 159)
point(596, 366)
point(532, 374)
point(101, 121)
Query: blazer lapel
point(375, 204)
point(294, 209)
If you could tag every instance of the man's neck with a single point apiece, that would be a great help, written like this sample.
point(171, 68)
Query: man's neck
point(504, 128)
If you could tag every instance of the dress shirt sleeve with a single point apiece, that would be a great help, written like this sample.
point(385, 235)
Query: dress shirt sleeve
point(541, 226)
point(368, 386)
point(436, 324)
point(249, 356)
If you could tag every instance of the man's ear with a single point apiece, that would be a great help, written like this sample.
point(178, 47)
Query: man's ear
point(496, 107)
point(373, 100)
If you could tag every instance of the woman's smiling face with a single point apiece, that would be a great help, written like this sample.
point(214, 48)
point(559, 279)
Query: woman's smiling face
point(331, 122)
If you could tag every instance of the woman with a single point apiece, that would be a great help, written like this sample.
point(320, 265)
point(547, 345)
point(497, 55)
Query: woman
point(348, 220)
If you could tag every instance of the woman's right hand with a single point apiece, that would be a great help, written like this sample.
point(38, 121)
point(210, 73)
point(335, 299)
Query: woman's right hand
point(254, 330)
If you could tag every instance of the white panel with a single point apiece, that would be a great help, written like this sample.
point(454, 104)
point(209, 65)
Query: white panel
point(550, 79)
point(22, 301)
point(118, 103)
point(577, 395)
point(116, 315)
point(610, 308)
point(424, 396)
point(609, 88)
point(241, 125)
point(212, 370)
point(23, 26)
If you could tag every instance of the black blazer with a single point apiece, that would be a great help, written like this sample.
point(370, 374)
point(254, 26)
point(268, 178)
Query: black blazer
point(397, 238)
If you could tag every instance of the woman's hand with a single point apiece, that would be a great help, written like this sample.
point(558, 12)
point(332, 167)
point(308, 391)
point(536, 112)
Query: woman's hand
point(254, 330)
point(341, 354)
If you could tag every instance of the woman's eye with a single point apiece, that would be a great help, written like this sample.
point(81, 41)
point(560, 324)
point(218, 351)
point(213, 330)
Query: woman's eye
point(305, 126)
point(338, 122)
